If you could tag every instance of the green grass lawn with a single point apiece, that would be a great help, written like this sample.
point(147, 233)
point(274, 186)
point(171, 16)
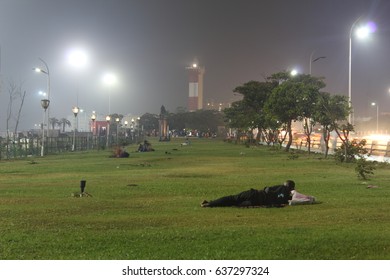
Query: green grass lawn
point(147, 206)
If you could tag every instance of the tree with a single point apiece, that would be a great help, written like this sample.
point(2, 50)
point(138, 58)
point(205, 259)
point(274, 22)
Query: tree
point(343, 130)
point(307, 103)
point(149, 123)
point(22, 96)
point(255, 95)
point(330, 110)
point(15, 92)
point(236, 117)
point(203, 121)
point(293, 99)
point(64, 122)
point(54, 122)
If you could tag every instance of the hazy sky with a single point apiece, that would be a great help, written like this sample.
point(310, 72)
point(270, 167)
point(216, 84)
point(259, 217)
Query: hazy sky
point(148, 44)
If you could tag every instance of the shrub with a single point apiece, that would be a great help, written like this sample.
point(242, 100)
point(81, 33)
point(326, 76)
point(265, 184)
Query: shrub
point(351, 151)
point(364, 168)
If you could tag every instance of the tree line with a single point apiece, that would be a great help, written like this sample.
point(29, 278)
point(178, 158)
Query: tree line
point(271, 106)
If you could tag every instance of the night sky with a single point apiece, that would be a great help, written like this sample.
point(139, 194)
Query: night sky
point(149, 43)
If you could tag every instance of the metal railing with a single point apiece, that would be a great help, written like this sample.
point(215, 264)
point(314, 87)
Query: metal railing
point(31, 146)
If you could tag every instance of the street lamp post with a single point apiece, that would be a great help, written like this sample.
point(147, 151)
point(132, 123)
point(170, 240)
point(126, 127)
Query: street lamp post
point(45, 104)
point(75, 111)
point(138, 131)
point(93, 128)
point(108, 118)
point(126, 123)
point(377, 116)
point(47, 73)
point(132, 130)
point(117, 131)
point(109, 79)
point(362, 32)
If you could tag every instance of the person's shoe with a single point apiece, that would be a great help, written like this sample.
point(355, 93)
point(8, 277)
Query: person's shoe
point(204, 203)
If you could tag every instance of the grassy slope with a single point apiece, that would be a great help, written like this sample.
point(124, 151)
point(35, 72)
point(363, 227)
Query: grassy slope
point(147, 206)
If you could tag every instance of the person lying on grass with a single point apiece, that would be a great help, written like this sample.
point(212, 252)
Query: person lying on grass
point(275, 196)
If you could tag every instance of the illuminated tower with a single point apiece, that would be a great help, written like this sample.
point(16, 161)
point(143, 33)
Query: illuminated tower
point(195, 93)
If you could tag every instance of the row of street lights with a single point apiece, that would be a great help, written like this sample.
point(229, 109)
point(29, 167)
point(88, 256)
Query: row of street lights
point(76, 110)
point(76, 58)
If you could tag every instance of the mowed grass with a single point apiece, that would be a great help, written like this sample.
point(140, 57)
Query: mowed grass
point(147, 206)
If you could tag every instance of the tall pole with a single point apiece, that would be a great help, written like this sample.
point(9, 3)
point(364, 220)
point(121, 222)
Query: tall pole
point(93, 128)
point(47, 72)
point(377, 115)
point(109, 79)
point(108, 118)
point(350, 70)
point(109, 103)
point(43, 134)
point(45, 104)
point(349, 76)
point(75, 111)
point(377, 118)
point(117, 131)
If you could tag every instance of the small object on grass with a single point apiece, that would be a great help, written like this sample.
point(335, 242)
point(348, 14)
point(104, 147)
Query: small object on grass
point(372, 187)
point(82, 185)
point(84, 194)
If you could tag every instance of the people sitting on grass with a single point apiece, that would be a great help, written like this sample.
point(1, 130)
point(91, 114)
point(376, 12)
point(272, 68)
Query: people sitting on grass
point(145, 147)
point(120, 153)
point(275, 196)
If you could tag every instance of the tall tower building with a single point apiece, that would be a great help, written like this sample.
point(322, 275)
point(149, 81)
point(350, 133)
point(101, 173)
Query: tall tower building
point(195, 87)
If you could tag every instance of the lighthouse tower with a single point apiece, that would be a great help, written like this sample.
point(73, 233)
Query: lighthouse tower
point(195, 87)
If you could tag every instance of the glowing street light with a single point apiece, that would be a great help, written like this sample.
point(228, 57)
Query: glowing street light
point(362, 32)
point(44, 94)
point(77, 58)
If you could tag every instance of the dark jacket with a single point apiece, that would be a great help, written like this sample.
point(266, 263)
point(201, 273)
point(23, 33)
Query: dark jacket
point(277, 195)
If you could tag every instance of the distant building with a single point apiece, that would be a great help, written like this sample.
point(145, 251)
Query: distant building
point(195, 94)
point(218, 106)
point(99, 128)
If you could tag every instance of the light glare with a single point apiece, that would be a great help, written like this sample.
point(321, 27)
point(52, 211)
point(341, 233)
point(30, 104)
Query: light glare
point(109, 79)
point(371, 26)
point(77, 58)
point(362, 32)
point(294, 72)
